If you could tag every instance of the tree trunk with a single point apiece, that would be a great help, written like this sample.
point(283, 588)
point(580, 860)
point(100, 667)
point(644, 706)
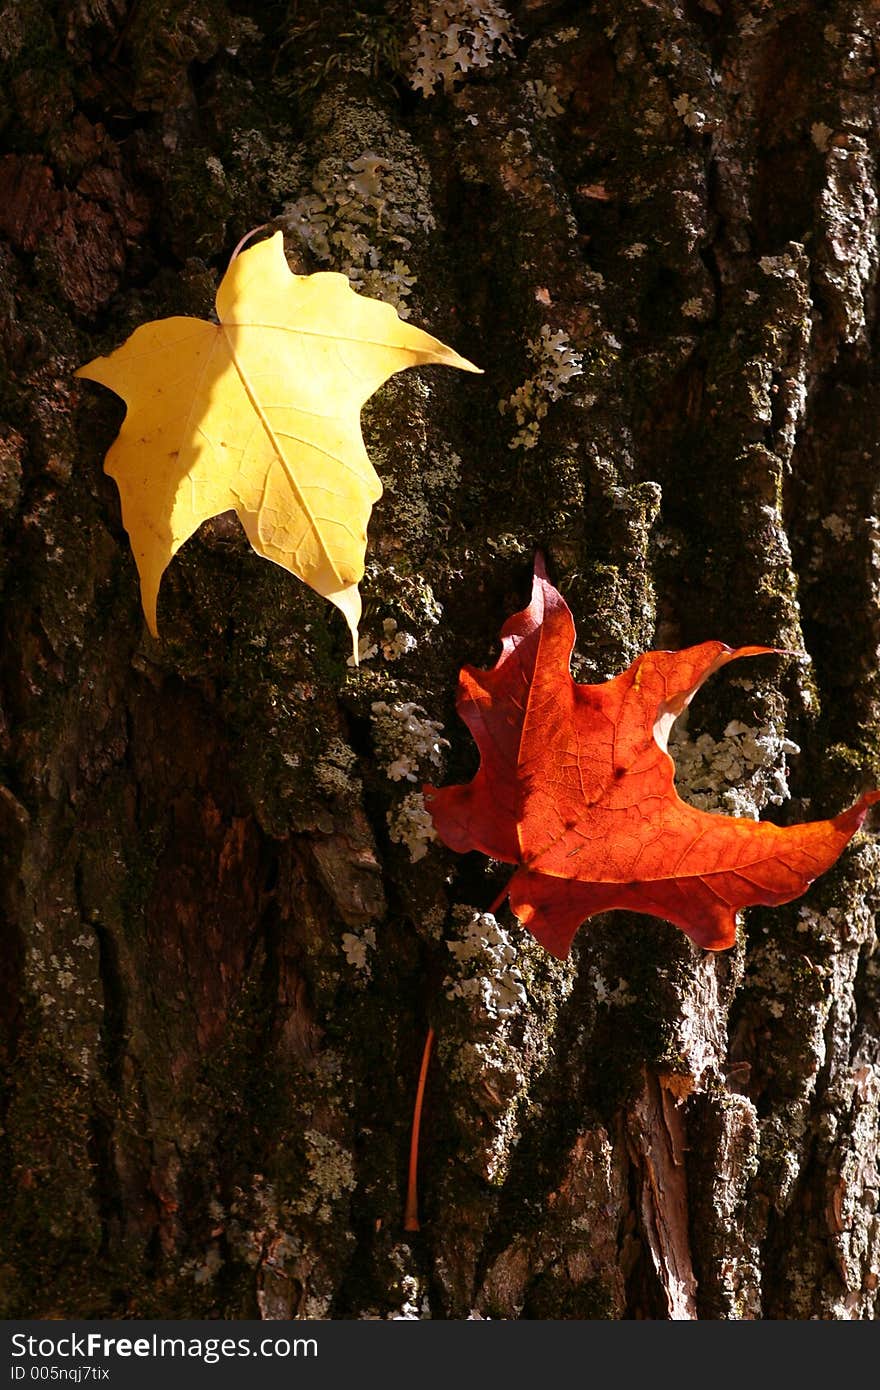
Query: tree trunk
point(654, 225)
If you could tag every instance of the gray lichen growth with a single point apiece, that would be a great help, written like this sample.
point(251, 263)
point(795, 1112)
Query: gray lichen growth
point(273, 158)
point(411, 1300)
point(555, 362)
point(356, 947)
point(852, 1207)
point(546, 98)
point(406, 739)
point(408, 746)
point(849, 251)
point(454, 38)
point(331, 1176)
point(409, 594)
point(500, 989)
point(363, 215)
point(333, 770)
point(689, 112)
point(500, 1034)
point(422, 499)
point(393, 644)
point(410, 823)
point(64, 983)
point(738, 774)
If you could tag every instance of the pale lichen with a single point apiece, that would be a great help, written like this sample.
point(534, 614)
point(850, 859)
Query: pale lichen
point(254, 153)
point(368, 647)
point(331, 1176)
point(556, 363)
point(620, 995)
point(452, 39)
point(66, 989)
point(406, 740)
point(689, 112)
point(333, 770)
point(415, 1303)
point(546, 99)
point(507, 546)
point(500, 986)
point(847, 248)
point(356, 948)
point(363, 215)
point(738, 774)
point(410, 823)
point(500, 1031)
point(784, 266)
point(395, 643)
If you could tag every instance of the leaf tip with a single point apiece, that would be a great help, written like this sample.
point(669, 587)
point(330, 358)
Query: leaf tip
point(714, 931)
point(448, 357)
point(86, 371)
point(864, 804)
point(348, 601)
point(149, 604)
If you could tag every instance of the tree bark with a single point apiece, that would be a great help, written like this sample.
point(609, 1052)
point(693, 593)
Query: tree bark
point(654, 225)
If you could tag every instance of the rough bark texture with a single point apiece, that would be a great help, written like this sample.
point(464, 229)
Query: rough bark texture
point(220, 958)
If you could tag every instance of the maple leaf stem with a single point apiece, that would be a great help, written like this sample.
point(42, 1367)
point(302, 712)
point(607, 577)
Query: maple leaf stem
point(263, 227)
point(411, 1214)
point(499, 900)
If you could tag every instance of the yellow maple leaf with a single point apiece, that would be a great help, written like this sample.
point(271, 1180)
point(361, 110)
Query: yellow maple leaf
point(261, 413)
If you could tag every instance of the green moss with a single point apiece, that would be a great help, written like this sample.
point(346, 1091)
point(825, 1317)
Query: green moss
point(165, 36)
point(38, 73)
point(197, 204)
point(51, 1230)
point(553, 1295)
point(851, 764)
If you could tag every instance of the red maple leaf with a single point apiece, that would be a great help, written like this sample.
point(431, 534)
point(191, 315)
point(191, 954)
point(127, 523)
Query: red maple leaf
point(576, 786)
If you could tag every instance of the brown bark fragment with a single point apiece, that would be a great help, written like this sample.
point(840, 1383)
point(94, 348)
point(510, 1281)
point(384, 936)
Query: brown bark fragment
point(30, 204)
point(657, 1140)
